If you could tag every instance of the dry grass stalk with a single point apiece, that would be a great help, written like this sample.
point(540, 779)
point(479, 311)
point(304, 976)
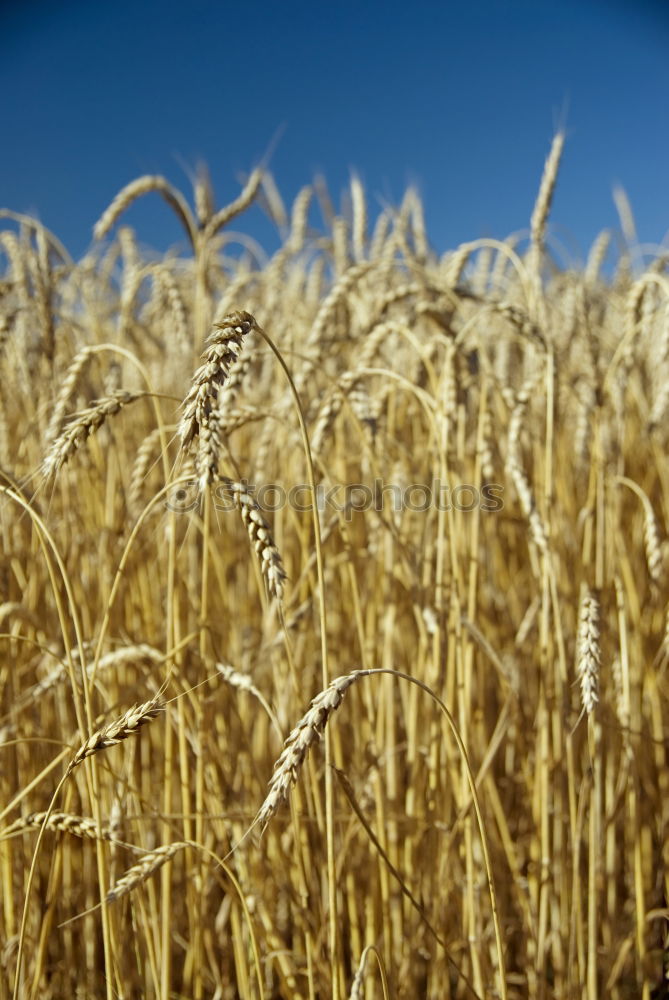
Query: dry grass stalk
point(129, 250)
point(338, 292)
point(82, 425)
point(588, 650)
point(115, 732)
point(238, 416)
point(414, 206)
point(380, 235)
point(619, 690)
point(660, 404)
point(366, 409)
point(143, 870)
point(326, 417)
point(518, 416)
point(487, 457)
point(340, 246)
point(237, 679)
point(306, 733)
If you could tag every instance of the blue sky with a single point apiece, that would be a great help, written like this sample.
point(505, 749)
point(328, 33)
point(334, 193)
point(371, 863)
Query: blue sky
point(460, 100)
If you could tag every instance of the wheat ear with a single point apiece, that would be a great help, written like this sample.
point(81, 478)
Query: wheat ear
point(127, 725)
point(588, 650)
point(223, 347)
point(308, 731)
point(260, 535)
point(236, 207)
point(69, 384)
point(542, 206)
point(651, 531)
point(137, 188)
point(144, 869)
point(141, 468)
point(115, 658)
point(77, 826)
point(82, 425)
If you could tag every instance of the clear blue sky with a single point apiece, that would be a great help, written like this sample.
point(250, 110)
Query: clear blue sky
point(462, 100)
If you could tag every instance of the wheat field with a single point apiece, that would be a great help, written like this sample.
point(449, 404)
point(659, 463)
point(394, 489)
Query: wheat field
point(334, 607)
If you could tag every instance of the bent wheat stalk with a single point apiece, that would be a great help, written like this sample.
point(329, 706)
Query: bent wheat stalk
point(309, 731)
point(651, 533)
point(137, 188)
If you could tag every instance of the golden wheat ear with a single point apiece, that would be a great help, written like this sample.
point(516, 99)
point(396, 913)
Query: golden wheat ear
point(120, 729)
point(307, 732)
point(200, 427)
point(82, 425)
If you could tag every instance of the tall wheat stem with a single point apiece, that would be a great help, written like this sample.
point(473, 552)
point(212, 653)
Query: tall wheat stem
point(93, 788)
point(168, 771)
point(329, 789)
